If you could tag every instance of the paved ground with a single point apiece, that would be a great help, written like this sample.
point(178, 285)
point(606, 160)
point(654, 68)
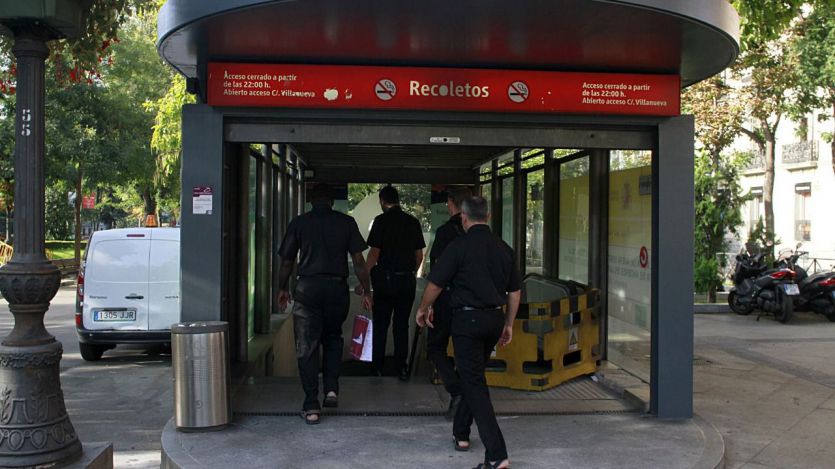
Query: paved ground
point(125, 398)
point(769, 389)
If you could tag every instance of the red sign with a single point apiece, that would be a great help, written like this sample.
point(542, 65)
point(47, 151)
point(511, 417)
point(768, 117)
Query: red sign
point(644, 259)
point(441, 89)
point(88, 201)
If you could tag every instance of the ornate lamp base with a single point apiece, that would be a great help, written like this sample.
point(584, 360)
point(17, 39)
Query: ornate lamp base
point(35, 430)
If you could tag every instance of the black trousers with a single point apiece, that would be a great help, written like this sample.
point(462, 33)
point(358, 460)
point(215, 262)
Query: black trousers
point(319, 309)
point(394, 294)
point(438, 341)
point(474, 335)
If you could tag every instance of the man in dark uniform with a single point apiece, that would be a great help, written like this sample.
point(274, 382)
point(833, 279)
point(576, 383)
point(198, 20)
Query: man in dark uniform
point(480, 270)
point(438, 339)
point(321, 238)
point(396, 241)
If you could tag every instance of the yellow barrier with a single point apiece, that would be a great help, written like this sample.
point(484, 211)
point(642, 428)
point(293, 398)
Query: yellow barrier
point(552, 343)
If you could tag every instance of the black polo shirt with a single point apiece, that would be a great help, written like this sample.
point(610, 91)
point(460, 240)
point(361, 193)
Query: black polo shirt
point(480, 269)
point(322, 237)
point(444, 235)
point(397, 235)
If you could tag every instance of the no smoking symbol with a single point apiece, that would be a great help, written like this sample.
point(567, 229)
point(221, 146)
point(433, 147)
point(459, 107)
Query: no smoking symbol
point(644, 258)
point(517, 92)
point(385, 89)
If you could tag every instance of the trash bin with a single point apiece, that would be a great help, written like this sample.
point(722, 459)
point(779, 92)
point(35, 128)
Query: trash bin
point(201, 375)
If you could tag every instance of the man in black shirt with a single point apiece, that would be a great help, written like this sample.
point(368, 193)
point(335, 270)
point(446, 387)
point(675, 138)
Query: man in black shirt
point(396, 241)
point(321, 238)
point(480, 270)
point(438, 339)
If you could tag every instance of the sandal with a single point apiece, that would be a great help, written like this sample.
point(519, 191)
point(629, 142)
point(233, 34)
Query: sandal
point(494, 464)
point(461, 444)
point(331, 400)
point(311, 417)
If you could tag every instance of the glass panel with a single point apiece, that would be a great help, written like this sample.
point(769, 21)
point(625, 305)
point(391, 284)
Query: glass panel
point(486, 192)
point(507, 210)
point(630, 266)
point(574, 220)
point(250, 277)
point(535, 218)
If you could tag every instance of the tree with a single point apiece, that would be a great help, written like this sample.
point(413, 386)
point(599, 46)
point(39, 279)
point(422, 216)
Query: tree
point(136, 52)
point(718, 114)
point(768, 73)
point(88, 138)
point(814, 48)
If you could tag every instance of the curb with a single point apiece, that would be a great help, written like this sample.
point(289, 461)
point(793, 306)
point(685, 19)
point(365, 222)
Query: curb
point(711, 308)
point(713, 456)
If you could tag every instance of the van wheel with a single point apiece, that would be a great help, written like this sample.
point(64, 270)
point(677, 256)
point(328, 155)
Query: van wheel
point(90, 352)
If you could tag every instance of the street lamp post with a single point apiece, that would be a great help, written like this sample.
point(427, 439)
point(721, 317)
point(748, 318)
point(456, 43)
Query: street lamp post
point(35, 430)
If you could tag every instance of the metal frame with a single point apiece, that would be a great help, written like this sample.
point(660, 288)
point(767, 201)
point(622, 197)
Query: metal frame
point(671, 140)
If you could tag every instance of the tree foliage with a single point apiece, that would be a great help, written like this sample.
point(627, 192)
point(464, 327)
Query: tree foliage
point(718, 213)
point(718, 114)
point(814, 49)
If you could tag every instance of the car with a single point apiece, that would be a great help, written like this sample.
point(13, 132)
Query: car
point(128, 289)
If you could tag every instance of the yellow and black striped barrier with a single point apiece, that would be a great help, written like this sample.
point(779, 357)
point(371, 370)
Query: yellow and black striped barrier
point(552, 343)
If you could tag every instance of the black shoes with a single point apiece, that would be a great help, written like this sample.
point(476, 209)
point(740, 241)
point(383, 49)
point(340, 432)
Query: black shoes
point(331, 400)
point(405, 373)
point(454, 402)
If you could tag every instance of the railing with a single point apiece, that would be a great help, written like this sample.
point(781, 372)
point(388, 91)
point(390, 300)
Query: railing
point(756, 161)
point(6, 252)
point(813, 265)
point(800, 152)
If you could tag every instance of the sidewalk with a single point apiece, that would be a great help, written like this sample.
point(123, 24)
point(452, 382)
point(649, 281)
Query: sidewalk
point(768, 388)
point(384, 423)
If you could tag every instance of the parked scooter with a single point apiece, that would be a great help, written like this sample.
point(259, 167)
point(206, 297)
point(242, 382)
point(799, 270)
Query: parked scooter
point(758, 287)
point(817, 291)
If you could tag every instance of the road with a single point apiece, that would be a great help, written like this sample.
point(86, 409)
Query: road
point(126, 398)
point(768, 388)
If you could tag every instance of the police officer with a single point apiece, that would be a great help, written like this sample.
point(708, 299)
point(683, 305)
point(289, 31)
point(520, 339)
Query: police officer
point(482, 276)
point(438, 337)
point(321, 238)
point(396, 241)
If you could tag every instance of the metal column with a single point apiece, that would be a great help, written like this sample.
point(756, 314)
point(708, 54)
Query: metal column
point(671, 386)
point(201, 234)
point(520, 222)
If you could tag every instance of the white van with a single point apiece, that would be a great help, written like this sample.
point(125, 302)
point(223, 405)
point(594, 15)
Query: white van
point(128, 289)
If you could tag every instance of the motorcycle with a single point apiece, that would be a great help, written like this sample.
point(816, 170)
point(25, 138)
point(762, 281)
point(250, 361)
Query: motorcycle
point(758, 287)
point(817, 291)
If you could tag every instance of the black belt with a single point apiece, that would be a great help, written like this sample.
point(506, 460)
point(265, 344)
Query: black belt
point(473, 308)
point(323, 277)
point(401, 273)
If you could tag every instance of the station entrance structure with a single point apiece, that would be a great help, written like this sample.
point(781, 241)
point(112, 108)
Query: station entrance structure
point(271, 118)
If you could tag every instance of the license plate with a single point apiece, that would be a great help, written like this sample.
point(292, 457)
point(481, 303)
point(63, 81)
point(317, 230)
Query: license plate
point(791, 289)
point(103, 315)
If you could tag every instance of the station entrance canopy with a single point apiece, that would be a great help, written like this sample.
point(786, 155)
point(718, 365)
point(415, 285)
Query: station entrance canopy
point(693, 39)
point(448, 93)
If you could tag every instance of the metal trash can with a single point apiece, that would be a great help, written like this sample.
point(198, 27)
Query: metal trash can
point(200, 362)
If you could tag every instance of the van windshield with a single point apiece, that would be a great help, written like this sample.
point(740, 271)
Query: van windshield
point(118, 260)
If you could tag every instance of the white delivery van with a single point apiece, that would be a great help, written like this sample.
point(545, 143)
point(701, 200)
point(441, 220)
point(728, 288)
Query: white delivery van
point(128, 289)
